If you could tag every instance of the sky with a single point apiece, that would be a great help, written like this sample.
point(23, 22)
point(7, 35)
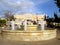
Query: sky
point(47, 7)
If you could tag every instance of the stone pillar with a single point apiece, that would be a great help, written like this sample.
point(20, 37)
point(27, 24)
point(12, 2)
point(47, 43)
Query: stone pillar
point(12, 25)
point(42, 25)
point(25, 25)
point(19, 25)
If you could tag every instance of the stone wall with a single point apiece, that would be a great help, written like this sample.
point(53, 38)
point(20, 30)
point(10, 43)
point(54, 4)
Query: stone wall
point(29, 35)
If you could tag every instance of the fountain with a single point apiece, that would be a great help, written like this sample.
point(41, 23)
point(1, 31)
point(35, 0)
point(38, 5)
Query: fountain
point(28, 34)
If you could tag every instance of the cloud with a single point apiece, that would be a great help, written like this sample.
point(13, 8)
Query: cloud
point(18, 3)
point(40, 1)
point(24, 6)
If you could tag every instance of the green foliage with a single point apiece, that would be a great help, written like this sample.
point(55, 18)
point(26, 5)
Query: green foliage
point(58, 3)
point(2, 23)
point(55, 16)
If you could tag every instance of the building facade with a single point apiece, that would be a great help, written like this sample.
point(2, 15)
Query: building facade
point(29, 17)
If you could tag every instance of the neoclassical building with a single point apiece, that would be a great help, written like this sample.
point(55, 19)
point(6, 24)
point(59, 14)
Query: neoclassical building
point(29, 17)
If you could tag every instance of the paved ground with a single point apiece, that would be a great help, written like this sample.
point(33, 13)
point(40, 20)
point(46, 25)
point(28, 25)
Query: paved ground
point(48, 42)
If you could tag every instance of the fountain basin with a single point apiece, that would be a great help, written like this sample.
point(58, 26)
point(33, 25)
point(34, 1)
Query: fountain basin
point(38, 35)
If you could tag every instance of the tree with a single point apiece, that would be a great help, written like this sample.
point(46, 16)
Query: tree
point(2, 23)
point(50, 22)
point(9, 15)
point(46, 17)
point(55, 15)
point(58, 4)
point(56, 19)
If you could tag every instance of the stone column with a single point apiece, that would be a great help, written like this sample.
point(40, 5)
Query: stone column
point(12, 25)
point(19, 25)
point(42, 25)
point(25, 25)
